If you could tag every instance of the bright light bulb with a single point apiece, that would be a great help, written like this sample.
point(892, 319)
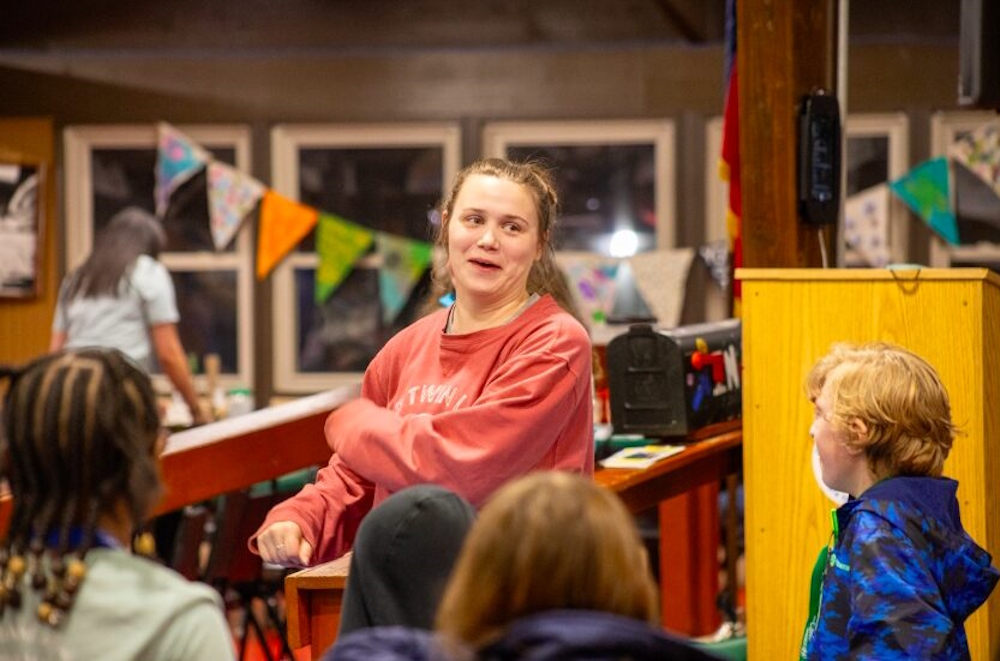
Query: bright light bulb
point(624, 243)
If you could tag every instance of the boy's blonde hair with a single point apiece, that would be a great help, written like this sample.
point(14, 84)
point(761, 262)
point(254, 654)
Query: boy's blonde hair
point(900, 399)
point(550, 540)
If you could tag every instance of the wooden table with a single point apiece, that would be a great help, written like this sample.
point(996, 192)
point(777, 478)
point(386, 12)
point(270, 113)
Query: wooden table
point(313, 596)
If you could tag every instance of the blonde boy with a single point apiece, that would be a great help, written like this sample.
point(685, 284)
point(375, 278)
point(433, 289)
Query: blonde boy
point(900, 574)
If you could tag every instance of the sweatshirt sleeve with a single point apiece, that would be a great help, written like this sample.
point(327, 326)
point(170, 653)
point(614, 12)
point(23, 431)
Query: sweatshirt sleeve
point(896, 604)
point(515, 421)
point(328, 512)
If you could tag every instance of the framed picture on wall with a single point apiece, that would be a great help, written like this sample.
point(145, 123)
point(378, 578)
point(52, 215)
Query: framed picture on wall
point(20, 229)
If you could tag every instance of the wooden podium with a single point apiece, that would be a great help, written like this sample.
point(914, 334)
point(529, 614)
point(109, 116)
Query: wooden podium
point(951, 317)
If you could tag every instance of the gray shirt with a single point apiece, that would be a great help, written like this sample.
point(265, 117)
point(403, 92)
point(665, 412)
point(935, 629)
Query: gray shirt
point(145, 298)
point(128, 609)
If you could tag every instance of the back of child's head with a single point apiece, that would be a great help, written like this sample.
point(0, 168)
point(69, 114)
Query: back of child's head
point(80, 434)
point(900, 401)
point(550, 540)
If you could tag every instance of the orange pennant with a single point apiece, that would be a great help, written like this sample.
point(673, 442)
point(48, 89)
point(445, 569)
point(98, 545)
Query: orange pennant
point(283, 223)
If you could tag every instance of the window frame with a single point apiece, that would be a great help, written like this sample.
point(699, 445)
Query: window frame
point(286, 140)
point(945, 128)
point(80, 140)
point(661, 133)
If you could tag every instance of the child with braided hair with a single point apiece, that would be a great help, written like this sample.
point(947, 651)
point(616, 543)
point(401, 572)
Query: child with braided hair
point(81, 441)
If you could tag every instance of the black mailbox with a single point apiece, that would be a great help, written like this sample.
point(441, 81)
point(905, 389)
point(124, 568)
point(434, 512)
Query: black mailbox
point(673, 383)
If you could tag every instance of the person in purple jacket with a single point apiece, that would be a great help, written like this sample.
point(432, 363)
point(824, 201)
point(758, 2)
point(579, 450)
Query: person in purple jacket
point(553, 568)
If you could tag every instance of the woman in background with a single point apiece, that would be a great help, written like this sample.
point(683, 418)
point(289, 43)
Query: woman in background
point(81, 448)
point(122, 298)
point(553, 569)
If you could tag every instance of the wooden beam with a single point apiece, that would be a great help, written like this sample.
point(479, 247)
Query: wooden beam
point(785, 50)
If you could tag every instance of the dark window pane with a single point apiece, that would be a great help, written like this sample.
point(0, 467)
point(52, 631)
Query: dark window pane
point(126, 177)
point(206, 301)
point(867, 163)
point(346, 332)
point(602, 189)
point(977, 208)
point(392, 189)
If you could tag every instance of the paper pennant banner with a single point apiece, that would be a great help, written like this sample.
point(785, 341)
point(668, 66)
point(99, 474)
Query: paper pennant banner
point(339, 243)
point(403, 262)
point(926, 190)
point(716, 257)
point(231, 196)
point(979, 151)
point(592, 278)
point(866, 224)
point(661, 277)
point(178, 158)
point(283, 223)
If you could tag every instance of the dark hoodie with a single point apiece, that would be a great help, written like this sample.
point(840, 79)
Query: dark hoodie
point(901, 577)
point(404, 552)
point(561, 635)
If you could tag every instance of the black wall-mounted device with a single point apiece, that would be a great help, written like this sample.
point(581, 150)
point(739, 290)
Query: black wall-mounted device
point(819, 159)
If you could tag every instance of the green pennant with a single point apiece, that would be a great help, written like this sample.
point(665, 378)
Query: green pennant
point(339, 244)
point(403, 262)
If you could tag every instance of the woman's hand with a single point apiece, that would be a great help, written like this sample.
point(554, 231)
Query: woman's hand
point(282, 543)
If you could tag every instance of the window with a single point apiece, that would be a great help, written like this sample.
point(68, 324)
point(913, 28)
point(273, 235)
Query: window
point(112, 167)
point(977, 207)
point(878, 152)
point(389, 178)
point(614, 177)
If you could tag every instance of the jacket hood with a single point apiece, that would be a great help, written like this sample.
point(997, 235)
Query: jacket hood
point(927, 509)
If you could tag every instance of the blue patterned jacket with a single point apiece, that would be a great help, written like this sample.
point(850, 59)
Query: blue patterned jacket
point(902, 576)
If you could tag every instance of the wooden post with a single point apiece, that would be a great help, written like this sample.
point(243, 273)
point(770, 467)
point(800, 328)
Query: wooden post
point(785, 49)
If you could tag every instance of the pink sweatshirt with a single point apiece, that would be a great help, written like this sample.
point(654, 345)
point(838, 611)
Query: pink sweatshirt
point(468, 412)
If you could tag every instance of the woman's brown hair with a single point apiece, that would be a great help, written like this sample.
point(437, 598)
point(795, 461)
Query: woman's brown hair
point(550, 540)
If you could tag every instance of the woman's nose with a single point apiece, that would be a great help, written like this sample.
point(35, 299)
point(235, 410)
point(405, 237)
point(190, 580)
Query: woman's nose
point(487, 239)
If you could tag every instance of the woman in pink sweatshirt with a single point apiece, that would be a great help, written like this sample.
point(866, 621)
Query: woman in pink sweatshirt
point(469, 397)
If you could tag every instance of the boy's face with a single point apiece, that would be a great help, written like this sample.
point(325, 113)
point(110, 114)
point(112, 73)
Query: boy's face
point(842, 467)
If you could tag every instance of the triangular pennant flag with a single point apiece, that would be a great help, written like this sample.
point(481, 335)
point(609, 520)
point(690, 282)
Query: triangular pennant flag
point(339, 243)
point(403, 262)
point(283, 223)
point(716, 258)
point(178, 158)
point(979, 151)
point(231, 196)
point(926, 190)
point(661, 277)
point(866, 224)
point(593, 281)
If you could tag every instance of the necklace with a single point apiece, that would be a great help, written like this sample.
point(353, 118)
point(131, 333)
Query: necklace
point(517, 313)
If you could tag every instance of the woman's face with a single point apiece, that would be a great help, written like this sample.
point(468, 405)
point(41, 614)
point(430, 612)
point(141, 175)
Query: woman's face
point(493, 240)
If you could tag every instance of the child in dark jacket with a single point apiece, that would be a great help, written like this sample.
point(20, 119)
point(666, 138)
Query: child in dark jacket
point(900, 574)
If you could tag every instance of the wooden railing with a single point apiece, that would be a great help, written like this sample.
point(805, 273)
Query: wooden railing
point(233, 454)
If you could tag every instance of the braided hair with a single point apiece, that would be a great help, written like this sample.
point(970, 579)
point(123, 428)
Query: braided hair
point(80, 429)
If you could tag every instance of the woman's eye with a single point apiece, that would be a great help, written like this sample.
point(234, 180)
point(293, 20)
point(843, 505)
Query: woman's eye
point(512, 227)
